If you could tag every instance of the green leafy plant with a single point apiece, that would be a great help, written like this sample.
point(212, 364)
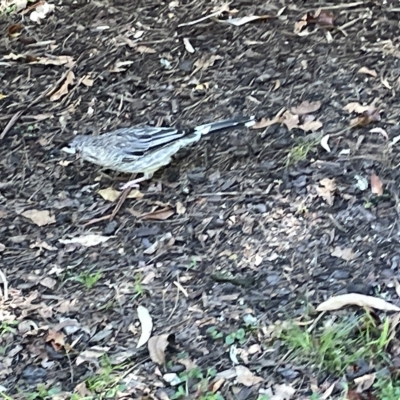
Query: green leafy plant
point(88, 280)
point(214, 333)
point(238, 336)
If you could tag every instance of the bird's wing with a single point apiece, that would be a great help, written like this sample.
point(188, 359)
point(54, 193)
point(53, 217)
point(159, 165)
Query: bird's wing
point(136, 141)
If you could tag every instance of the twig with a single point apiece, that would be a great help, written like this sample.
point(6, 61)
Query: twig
point(214, 14)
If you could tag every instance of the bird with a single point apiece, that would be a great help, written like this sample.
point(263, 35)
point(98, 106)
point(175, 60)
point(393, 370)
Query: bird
point(143, 149)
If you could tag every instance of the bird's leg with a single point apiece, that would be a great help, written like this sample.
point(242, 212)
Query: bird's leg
point(134, 183)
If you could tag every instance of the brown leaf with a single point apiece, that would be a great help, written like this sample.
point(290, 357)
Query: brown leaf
point(306, 107)
point(157, 346)
point(310, 126)
point(290, 120)
point(246, 377)
point(327, 190)
point(159, 215)
point(361, 300)
point(366, 118)
point(356, 107)
point(69, 80)
point(15, 30)
point(346, 254)
point(40, 218)
point(57, 339)
point(111, 194)
point(376, 185)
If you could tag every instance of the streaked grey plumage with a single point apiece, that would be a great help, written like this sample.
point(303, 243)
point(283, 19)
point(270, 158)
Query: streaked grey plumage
point(143, 149)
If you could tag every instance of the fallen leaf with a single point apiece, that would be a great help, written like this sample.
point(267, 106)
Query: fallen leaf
point(40, 218)
point(48, 282)
point(246, 20)
point(111, 194)
point(310, 126)
point(159, 215)
point(87, 81)
point(365, 118)
point(87, 241)
point(188, 46)
point(180, 208)
point(306, 107)
point(376, 185)
point(356, 299)
point(69, 80)
point(157, 346)
point(246, 377)
point(2, 247)
point(356, 107)
point(283, 392)
point(324, 143)
point(146, 323)
point(381, 131)
point(290, 120)
point(367, 71)
point(205, 61)
point(327, 190)
point(346, 254)
point(364, 382)
point(57, 339)
point(15, 30)
point(91, 355)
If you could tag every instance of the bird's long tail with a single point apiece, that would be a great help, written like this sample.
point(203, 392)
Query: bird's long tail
point(225, 124)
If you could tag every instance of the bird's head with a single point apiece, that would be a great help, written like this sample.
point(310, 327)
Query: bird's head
point(75, 146)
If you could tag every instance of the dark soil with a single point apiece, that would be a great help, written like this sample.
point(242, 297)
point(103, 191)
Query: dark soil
point(247, 234)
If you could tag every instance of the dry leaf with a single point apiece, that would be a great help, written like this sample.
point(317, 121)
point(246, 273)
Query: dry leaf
point(188, 46)
point(246, 20)
point(180, 208)
point(57, 338)
point(48, 282)
point(69, 80)
point(87, 81)
point(246, 377)
point(364, 382)
point(283, 392)
point(381, 131)
point(290, 120)
point(15, 30)
point(87, 241)
point(356, 299)
point(357, 108)
point(159, 215)
point(111, 194)
point(40, 218)
point(367, 71)
point(376, 185)
point(157, 346)
point(310, 126)
point(327, 190)
point(346, 254)
point(306, 107)
point(91, 355)
point(146, 323)
point(324, 143)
